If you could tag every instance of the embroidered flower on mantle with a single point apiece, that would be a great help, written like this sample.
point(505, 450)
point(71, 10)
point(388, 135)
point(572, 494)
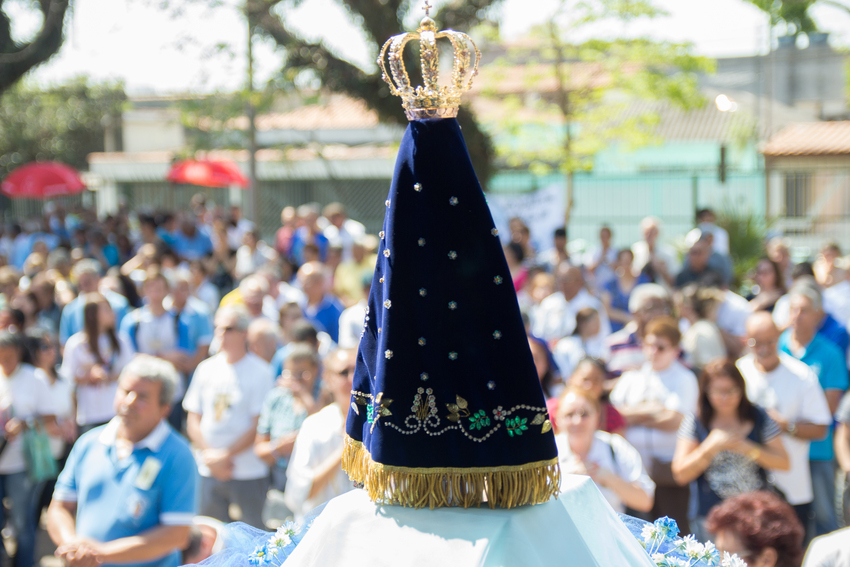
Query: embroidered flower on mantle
point(476, 425)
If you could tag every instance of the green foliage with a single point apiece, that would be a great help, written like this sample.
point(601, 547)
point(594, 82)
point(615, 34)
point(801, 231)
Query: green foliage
point(747, 234)
point(588, 87)
point(217, 120)
point(63, 123)
point(795, 13)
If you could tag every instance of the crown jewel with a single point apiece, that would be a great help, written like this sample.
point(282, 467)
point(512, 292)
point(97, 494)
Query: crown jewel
point(429, 100)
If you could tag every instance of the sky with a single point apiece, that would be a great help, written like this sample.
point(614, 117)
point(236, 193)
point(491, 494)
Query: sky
point(203, 50)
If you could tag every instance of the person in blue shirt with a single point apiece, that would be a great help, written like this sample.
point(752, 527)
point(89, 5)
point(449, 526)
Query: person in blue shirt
point(803, 341)
point(308, 233)
point(87, 273)
point(191, 243)
point(834, 332)
point(195, 314)
point(127, 494)
point(322, 309)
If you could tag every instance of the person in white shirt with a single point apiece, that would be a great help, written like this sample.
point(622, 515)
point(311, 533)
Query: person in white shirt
point(155, 330)
point(93, 360)
point(702, 342)
point(790, 393)
point(341, 230)
point(613, 464)
point(656, 260)
point(601, 261)
point(351, 320)
point(253, 254)
point(556, 316)
point(829, 550)
point(44, 353)
point(732, 317)
point(706, 220)
point(314, 474)
point(202, 288)
point(237, 227)
point(24, 395)
point(585, 341)
point(654, 400)
point(223, 404)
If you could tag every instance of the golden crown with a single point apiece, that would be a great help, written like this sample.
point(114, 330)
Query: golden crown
point(430, 100)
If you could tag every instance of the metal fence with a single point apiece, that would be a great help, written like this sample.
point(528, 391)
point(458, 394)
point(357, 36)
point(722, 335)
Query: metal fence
point(620, 201)
point(809, 206)
point(363, 198)
point(16, 210)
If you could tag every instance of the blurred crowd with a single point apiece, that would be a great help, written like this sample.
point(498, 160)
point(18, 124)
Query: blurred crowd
point(673, 392)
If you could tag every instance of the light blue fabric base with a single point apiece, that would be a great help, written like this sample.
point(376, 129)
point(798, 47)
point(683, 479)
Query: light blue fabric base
point(579, 528)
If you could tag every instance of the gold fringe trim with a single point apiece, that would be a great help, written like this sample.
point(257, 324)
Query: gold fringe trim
point(503, 487)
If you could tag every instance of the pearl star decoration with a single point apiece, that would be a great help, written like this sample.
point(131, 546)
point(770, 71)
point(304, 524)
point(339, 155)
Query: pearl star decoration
point(452, 305)
point(388, 304)
point(421, 242)
point(382, 234)
point(417, 187)
point(453, 201)
point(498, 280)
point(423, 292)
point(388, 354)
point(452, 355)
point(421, 341)
point(452, 255)
point(424, 376)
point(497, 335)
point(387, 253)
point(495, 232)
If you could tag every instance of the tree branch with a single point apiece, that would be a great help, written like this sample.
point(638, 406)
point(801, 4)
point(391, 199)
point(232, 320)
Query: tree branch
point(16, 60)
point(339, 75)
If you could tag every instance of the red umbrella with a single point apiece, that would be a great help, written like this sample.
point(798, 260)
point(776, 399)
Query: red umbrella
point(207, 173)
point(42, 180)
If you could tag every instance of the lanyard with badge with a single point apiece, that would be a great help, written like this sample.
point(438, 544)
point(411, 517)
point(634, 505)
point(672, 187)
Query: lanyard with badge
point(137, 503)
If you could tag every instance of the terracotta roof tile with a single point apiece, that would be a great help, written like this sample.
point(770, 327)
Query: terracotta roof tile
point(810, 139)
point(339, 113)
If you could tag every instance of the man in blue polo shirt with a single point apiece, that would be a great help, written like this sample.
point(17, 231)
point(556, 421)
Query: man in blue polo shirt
point(127, 494)
point(803, 341)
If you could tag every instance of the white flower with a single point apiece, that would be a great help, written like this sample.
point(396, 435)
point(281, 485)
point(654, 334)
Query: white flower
point(732, 561)
point(710, 555)
point(649, 533)
point(691, 547)
point(282, 537)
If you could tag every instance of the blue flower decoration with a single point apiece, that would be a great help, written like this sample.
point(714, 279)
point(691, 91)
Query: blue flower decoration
point(668, 527)
point(260, 556)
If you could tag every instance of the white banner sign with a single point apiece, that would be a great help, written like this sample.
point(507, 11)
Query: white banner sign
point(541, 210)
